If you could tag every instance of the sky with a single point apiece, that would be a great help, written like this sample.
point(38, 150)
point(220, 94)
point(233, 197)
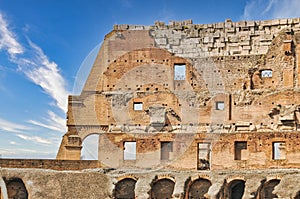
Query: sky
point(44, 45)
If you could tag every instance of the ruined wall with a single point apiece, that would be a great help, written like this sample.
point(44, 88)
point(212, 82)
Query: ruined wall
point(46, 184)
point(226, 127)
point(141, 184)
point(237, 93)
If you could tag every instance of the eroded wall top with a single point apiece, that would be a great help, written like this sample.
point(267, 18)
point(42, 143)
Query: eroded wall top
point(219, 39)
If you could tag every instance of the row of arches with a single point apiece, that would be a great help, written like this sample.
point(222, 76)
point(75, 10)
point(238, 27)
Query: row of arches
point(195, 189)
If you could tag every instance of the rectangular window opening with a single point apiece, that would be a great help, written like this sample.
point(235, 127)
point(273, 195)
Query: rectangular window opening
point(165, 149)
point(129, 150)
point(240, 150)
point(179, 72)
point(266, 73)
point(138, 106)
point(220, 106)
point(204, 156)
point(278, 150)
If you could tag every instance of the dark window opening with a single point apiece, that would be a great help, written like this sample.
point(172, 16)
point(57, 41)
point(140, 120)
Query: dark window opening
point(240, 150)
point(204, 156)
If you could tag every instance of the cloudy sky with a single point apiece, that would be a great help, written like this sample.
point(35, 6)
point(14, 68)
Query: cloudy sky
point(44, 43)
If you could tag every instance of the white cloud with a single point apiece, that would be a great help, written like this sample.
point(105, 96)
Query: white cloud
point(46, 74)
point(37, 67)
point(287, 9)
point(24, 152)
point(12, 127)
point(271, 9)
point(53, 122)
point(35, 139)
point(8, 39)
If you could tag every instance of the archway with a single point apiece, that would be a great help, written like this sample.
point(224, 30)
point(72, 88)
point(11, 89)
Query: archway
point(297, 196)
point(236, 189)
point(125, 189)
point(16, 189)
point(162, 189)
point(90, 147)
point(268, 188)
point(198, 188)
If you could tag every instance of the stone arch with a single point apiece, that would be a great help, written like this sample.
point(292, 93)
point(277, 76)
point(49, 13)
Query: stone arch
point(3, 190)
point(236, 189)
point(297, 195)
point(16, 189)
point(197, 188)
point(124, 188)
point(90, 145)
point(267, 189)
point(162, 188)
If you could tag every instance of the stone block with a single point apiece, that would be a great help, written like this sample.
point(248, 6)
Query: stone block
point(283, 21)
point(250, 23)
point(219, 25)
point(161, 41)
point(275, 22)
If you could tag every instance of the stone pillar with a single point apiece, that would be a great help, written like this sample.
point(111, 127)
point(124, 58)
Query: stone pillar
point(142, 187)
point(179, 187)
point(70, 148)
point(298, 63)
point(251, 187)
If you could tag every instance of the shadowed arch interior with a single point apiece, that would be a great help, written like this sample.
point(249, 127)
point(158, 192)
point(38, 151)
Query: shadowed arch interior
point(268, 188)
point(162, 189)
point(125, 189)
point(198, 188)
point(297, 195)
point(16, 189)
point(236, 189)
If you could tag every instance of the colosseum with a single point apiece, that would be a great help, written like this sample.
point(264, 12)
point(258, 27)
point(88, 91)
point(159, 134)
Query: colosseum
point(182, 110)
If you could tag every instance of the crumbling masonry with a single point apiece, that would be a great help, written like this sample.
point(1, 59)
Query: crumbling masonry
point(184, 111)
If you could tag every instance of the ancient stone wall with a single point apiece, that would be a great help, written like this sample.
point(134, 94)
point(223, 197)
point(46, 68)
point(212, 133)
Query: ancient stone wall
point(236, 78)
point(49, 164)
point(142, 184)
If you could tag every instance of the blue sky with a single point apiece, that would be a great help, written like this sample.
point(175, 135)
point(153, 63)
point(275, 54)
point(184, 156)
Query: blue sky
point(43, 44)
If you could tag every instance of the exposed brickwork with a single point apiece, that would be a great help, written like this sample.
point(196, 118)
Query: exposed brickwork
point(49, 164)
point(186, 110)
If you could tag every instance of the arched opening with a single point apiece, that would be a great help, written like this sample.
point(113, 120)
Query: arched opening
point(297, 195)
point(125, 189)
point(268, 188)
point(236, 189)
point(198, 188)
point(90, 147)
point(16, 189)
point(162, 189)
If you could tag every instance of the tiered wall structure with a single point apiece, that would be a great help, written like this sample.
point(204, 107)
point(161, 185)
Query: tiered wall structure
point(187, 111)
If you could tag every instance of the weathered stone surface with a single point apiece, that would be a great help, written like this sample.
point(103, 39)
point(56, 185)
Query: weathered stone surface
point(214, 103)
